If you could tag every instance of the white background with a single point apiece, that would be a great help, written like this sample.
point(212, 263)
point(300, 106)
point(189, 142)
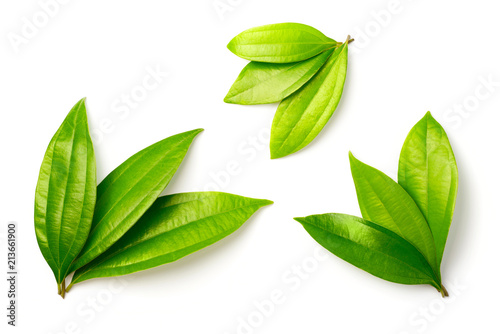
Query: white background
point(425, 55)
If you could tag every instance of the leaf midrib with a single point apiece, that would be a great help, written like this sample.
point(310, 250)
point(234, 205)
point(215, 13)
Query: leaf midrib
point(81, 215)
point(74, 133)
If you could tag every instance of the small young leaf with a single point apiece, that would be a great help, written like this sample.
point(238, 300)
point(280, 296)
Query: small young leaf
point(370, 247)
point(301, 116)
point(280, 43)
point(174, 226)
point(428, 172)
point(386, 203)
point(128, 191)
point(260, 83)
point(66, 193)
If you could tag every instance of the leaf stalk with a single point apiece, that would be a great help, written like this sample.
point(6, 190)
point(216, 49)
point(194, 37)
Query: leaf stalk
point(444, 292)
point(63, 288)
point(349, 41)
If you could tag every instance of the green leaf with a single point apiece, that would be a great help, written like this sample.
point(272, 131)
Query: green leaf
point(428, 172)
point(280, 43)
point(128, 191)
point(175, 226)
point(370, 247)
point(387, 204)
point(301, 116)
point(66, 193)
point(260, 83)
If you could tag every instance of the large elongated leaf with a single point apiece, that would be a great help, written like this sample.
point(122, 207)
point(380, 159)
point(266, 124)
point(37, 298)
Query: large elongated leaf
point(280, 43)
point(370, 247)
point(428, 172)
point(267, 83)
point(386, 203)
point(175, 226)
point(66, 193)
point(128, 191)
point(301, 116)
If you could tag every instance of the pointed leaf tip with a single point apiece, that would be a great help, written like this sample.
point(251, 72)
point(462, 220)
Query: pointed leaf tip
point(353, 160)
point(428, 117)
point(267, 202)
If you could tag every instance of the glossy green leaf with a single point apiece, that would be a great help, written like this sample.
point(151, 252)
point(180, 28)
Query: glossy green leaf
point(128, 191)
point(66, 193)
point(386, 203)
point(301, 116)
point(260, 83)
point(370, 247)
point(175, 226)
point(280, 43)
point(428, 172)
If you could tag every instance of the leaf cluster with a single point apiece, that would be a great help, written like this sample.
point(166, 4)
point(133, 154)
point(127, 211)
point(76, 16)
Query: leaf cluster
point(122, 225)
point(298, 66)
point(404, 226)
